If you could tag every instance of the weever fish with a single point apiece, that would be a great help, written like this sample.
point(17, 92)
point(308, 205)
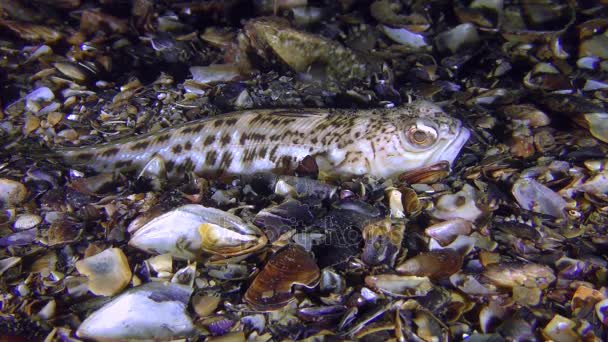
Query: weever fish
point(376, 142)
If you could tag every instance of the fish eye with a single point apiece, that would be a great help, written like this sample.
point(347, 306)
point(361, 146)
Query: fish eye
point(421, 135)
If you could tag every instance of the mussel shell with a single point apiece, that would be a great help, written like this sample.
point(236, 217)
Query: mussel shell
point(271, 289)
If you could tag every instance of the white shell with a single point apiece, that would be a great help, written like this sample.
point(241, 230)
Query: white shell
point(405, 37)
point(189, 230)
point(27, 221)
point(12, 193)
point(400, 285)
point(451, 206)
point(533, 196)
point(152, 311)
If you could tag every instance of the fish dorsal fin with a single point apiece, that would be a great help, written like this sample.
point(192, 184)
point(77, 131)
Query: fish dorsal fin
point(298, 113)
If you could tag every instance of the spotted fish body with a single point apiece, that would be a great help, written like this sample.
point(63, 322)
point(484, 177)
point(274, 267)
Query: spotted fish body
point(378, 142)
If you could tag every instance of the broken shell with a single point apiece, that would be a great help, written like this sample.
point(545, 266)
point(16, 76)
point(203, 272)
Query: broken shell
point(382, 242)
point(395, 204)
point(561, 329)
point(533, 196)
point(458, 38)
point(272, 288)
point(108, 271)
point(71, 70)
point(189, 230)
point(12, 193)
point(215, 73)
point(596, 123)
point(32, 32)
point(412, 204)
point(601, 310)
point(514, 274)
point(528, 113)
point(440, 263)
point(7, 263)
point(27, 221)
point(445, 232)
point(151, 311)
point(458, 205)
point(413, 40)
point(40, 94)
point(400, 286)
point(205, 305)
point(428, 174)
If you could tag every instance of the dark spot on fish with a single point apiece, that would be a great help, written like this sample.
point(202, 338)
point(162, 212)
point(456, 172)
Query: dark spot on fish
point(226, 160)
point(210, 158)
point(249, 155)
point(357, 135)
point(142, 145)
point(110, 152)
point(188, 164)
point(181, 168)
point(275, 137)
point(257, 137)
point(85, 156)
point(169, 165)
point(272, 153)
point(262, 152)
point(314, 140)
point(225, 139)
point(187, 130)
point(255, 119)
point(209, 140)
point(231, 122)
point(123, 164)
point(199, 127)
point(218, 122)
point(275, 122)
point(243, 138)
point(285, 162)
point(177, 149)
point(162, 138)
point(188, 146)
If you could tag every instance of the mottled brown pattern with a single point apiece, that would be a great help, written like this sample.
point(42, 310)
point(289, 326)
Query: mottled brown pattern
point(169, 165)
point(142, 145)
point(210, 158)
point(225, 139)
point(85, 156)
point(249, 155)
point(163, 138)
point(188, 164)
point(111, 152)
point(226, 160)
point(264, 140)
point(262, 152)
point(123, 164)
point(209, 140)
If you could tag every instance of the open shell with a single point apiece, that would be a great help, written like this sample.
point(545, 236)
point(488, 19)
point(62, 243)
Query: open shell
point(188, 231)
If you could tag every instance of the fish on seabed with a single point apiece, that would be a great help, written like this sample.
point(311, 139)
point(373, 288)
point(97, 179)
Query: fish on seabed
point(344, 142)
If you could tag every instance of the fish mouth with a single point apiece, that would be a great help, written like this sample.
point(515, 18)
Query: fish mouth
point(452, 147)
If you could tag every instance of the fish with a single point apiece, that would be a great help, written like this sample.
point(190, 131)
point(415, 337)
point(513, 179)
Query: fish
point(381, 143)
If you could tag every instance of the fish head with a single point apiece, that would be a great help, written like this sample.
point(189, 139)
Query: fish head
point(427, 135)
